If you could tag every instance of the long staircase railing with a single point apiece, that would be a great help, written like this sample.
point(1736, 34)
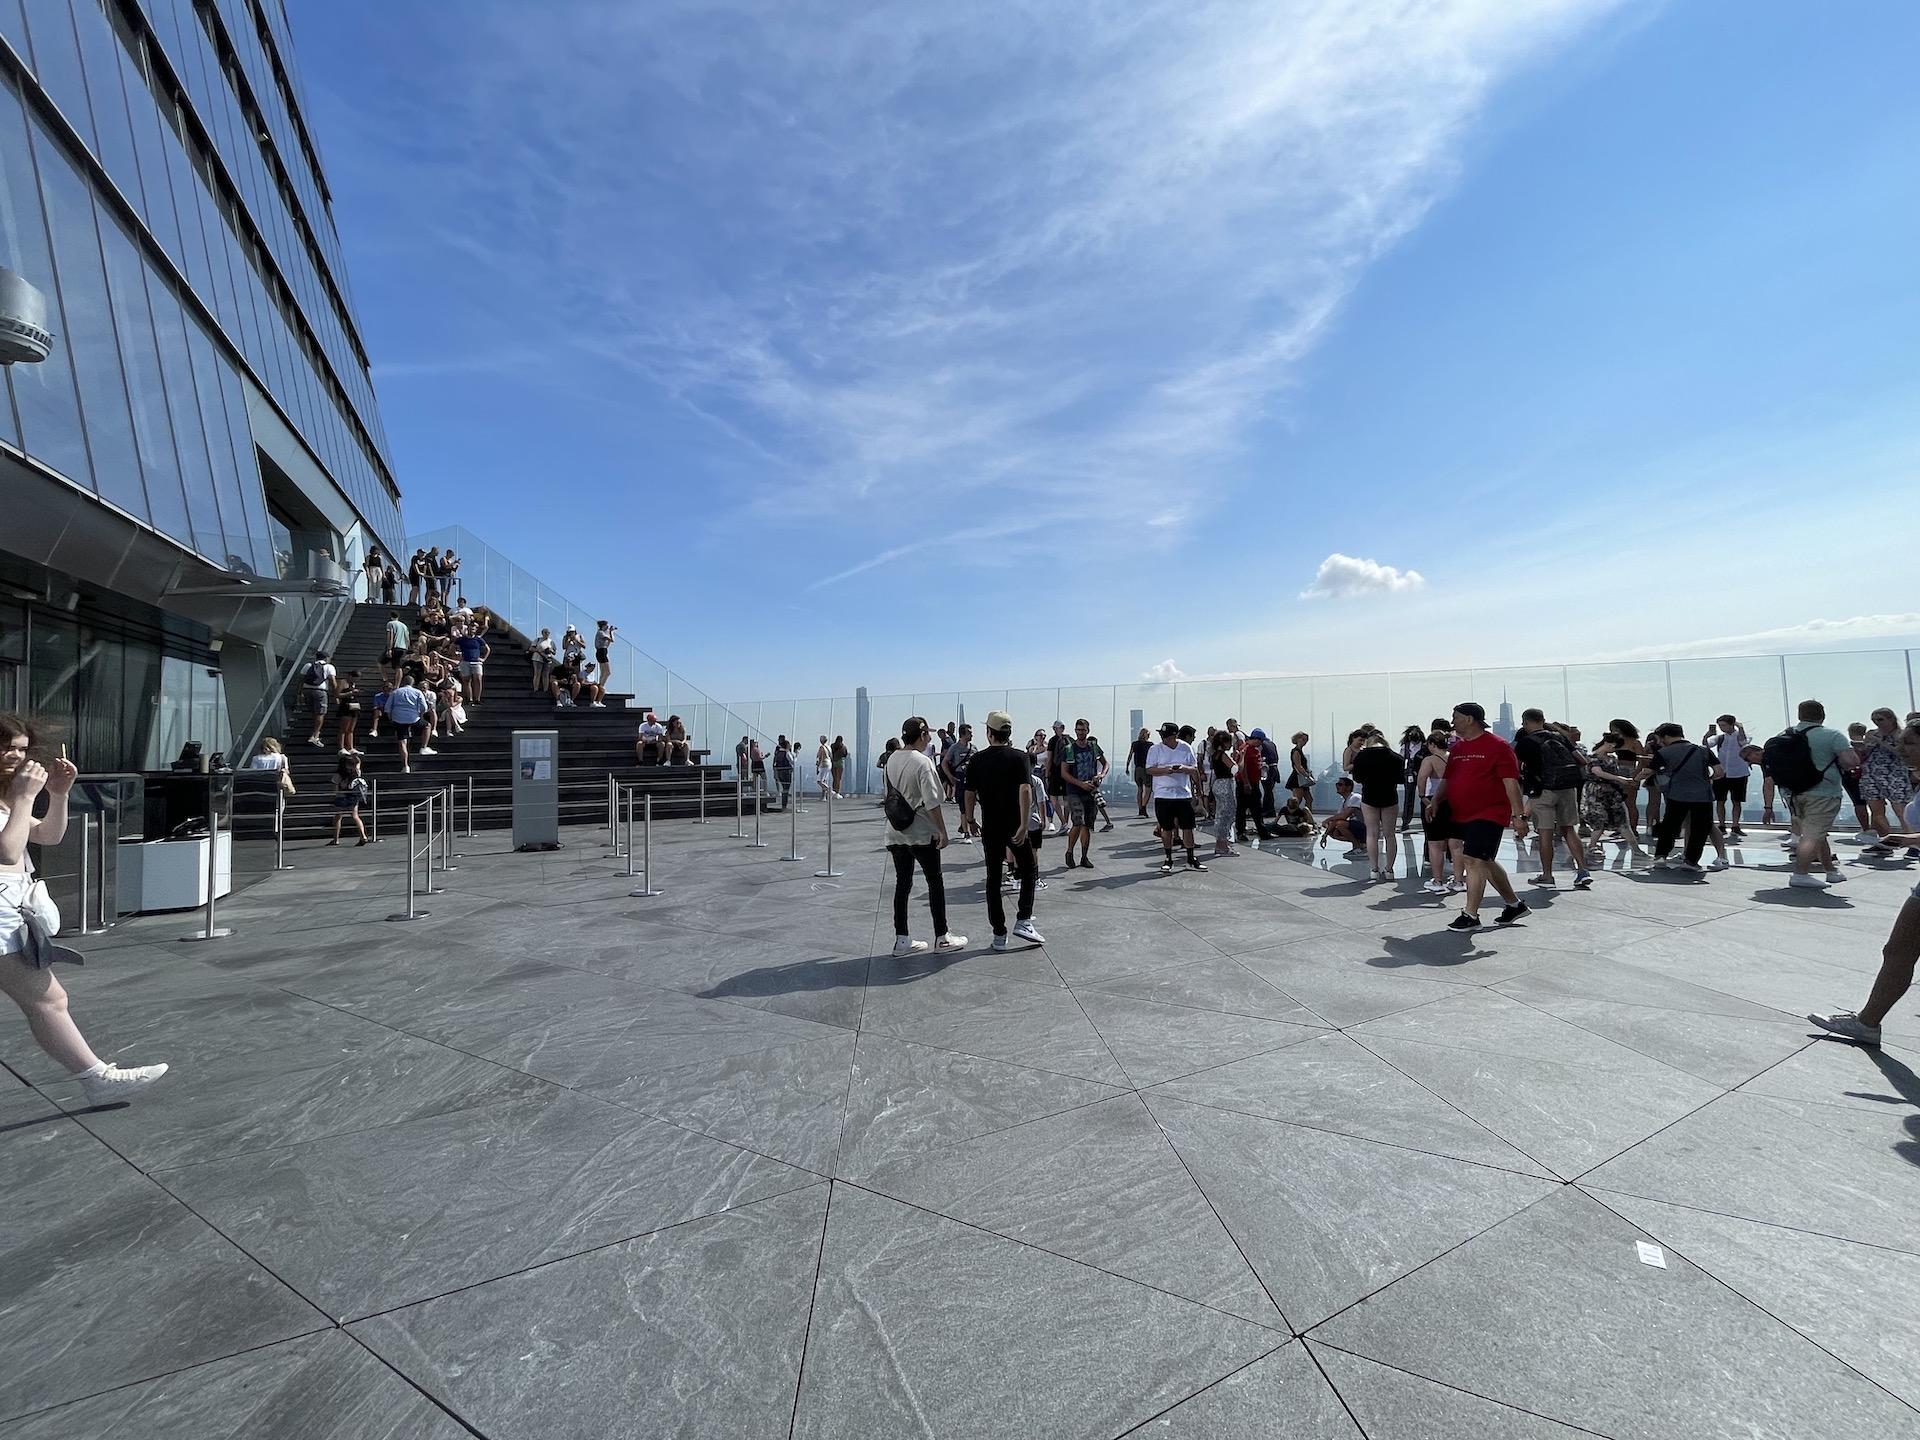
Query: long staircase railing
point(320, 629)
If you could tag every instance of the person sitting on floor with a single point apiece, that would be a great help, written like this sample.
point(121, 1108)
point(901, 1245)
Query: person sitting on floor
point(1345, 823)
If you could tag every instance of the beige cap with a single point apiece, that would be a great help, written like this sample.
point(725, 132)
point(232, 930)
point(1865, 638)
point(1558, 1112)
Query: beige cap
point(999, 720)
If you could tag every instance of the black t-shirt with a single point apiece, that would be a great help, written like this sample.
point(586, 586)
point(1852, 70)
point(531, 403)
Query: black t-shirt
point(994, 778)
point(1140, 749)
point(1379, 772)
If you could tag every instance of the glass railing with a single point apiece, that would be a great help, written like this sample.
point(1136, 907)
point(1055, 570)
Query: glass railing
point(489, 578)
point(1762, 690)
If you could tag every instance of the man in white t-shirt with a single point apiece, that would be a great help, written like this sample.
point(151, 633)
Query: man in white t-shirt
point(1727, 739)
point(1173, 770)
point(651, 748)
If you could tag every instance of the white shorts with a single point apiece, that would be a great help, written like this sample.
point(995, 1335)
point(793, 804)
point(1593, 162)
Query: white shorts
point(468, 667)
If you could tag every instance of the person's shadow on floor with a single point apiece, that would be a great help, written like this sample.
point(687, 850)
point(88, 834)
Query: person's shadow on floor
point(1446, 948)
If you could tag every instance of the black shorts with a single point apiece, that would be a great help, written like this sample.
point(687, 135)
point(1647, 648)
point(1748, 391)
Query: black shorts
point(1482, 838)
point(1174, 814)
point(1851, 784)
point(1441, 826)
point(601, 656)
point(1731, 787)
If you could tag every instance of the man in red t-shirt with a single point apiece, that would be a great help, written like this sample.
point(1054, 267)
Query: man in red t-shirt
point(1482, 788)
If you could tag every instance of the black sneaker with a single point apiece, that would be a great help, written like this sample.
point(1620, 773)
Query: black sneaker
point(1464, 921)
point(1166, 866)
point(1516, 911)
point(1193, 863)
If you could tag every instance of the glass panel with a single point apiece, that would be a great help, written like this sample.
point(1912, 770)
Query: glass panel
point(152, 426)
point(56, 63)
point(248, 466)
point(43, 395)
point(101, 51)
point(1635, 691)
point(53, 666)
point(190, 441)
point(13, 25)
point(90, 338)
point(1747, 687)
point(1851, 684)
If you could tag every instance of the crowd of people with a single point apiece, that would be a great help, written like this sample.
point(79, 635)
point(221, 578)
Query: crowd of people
point(429, 576)
point(1466, 787)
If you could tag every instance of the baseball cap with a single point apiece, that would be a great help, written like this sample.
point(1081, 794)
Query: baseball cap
point(1059, 724)
point(999, 720)
point(1473, 708)
point(1169, 728)
point(1257, 734)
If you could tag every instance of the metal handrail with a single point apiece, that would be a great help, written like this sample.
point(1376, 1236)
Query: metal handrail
point(645, 889)
point(321, 629)
point(416, 852)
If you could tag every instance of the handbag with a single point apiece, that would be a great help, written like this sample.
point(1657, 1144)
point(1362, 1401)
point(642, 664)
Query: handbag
point(286, 781)
point(900, 814)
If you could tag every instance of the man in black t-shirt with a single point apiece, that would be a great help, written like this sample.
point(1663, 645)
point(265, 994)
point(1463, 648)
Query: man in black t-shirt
point(1000, 796)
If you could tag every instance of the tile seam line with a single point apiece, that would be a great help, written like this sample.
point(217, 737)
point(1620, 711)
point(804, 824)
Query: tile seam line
point(1548, 1178)
point(381, 1314)
point(12, 1420)
point(978, 1229)
point(540, 1079)
point(1724, 1094)
point(813, 1301)
point(1596, 1191)
point(1741, 1295)
point(1217, 1380)
point(1316, 1342)
point(412, 1384)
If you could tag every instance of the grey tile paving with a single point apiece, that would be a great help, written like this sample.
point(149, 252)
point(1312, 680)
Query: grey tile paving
point(320, 1387)
point(1283, 1396)
point(695, 1330)
point(365, 1222)
point(573, 1147)
point(922, 1325)
point(1326, 1219)
point(1100, 1185)
point(1554, 1313)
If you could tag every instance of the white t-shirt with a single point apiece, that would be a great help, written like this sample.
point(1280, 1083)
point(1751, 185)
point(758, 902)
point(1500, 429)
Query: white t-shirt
point(1171, 787)
point(652, 730)
point(1726, 749)
point(268, 760)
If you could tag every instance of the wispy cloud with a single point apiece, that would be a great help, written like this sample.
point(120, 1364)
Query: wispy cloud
point(1341, 576)
point(1865, 631)
point(1048, 259)
point(1162, 673)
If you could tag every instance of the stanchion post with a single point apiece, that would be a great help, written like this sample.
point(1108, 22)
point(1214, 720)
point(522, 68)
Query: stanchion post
point(446, 829)
point(626, 800)
point(702, 818)
point(280, 829)
point(87, 927)
point(829, 873)
point(756, 843)
point(793, 829)
point(413, 912)
point(471, 835)
point(645, 889)
point(211, 931)
point(739, 805)
point(373, 787)
point(613, 812)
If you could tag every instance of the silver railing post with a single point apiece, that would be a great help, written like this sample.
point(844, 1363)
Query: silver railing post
point(413, 911)
point(280, 829)
point(646, 850)
point(211, 931)
point(756, 843)
point(701, 819)
point(793, 827)
point(373, 786)
point(87, 893)
point(829, 873)
point(613, 811)
point(739, 803)
point(626, 800)
point(471, 833)
point(446, 829)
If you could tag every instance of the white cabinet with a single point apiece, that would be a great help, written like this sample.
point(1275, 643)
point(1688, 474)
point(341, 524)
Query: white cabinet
point(172, 874)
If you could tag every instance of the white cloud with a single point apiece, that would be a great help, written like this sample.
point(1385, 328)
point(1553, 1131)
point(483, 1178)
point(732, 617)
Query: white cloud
point(1160, 674)
point(1341, 576)
point(1046, 258)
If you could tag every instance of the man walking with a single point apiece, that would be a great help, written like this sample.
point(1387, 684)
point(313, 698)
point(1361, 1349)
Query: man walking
point(1806, 762)
point(953, 765)
point(999, 790)
point(1173, 768)
point(1550, 777)
point(407, 707)
point(1083, 766)
point(1481, 786)
point(316, 685)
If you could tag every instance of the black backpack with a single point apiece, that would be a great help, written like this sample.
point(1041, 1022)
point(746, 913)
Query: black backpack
point(1788, 758)
point(315, 676)
point(1559, 767)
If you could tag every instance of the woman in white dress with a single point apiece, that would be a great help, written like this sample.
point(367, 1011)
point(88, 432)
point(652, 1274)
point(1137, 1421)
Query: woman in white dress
point(823, 767)
point(27, 951)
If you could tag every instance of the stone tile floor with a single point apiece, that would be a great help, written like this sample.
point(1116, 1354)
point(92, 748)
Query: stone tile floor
point(1260, 1152)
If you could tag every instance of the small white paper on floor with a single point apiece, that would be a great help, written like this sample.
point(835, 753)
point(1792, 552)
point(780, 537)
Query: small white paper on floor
point(1651, 1254)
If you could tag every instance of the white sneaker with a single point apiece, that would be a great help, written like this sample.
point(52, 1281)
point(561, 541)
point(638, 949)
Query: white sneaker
point(1720, 864)
point(1024, 929)
point(1849, 1025)
point(113, 1084)
point(1434, 887)
point(425, 751)
point(951, 942)
point(1866, 837)
point(903, 945)
point(1663, 863)
point(998, 945)
point(1690, 867)
point(1834, 877)
point(1806, 882)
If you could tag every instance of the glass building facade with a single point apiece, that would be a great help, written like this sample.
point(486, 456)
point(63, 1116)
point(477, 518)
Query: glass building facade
point(203, 443)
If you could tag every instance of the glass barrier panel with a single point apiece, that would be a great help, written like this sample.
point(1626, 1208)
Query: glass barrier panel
point(1634, 690)
point(1852, 684)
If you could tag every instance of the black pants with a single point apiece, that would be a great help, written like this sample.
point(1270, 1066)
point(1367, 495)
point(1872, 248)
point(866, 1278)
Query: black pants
point(1267, 782)
point(1025, 868)
point(1676, 814)
point(929, 858)
point(1248, 813)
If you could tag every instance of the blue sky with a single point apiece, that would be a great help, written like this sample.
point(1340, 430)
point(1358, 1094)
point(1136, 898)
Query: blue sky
point(934, 346)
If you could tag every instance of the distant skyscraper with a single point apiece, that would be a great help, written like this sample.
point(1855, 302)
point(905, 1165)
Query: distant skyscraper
point(1503, 725)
